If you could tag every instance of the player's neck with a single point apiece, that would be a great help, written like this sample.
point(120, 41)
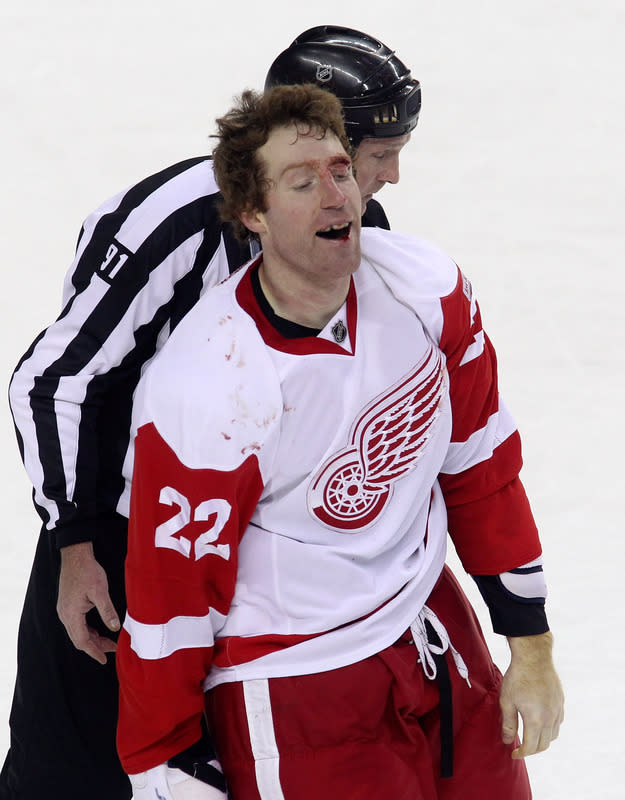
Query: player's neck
point(298, 299)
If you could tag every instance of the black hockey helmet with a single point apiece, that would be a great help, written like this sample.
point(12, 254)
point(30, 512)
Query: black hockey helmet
point(380, 98)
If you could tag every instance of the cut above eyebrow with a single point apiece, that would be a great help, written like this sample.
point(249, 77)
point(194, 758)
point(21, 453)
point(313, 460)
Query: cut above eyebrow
point(314, 164)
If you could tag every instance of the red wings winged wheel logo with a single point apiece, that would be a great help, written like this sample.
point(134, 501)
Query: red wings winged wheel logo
point(390, 435)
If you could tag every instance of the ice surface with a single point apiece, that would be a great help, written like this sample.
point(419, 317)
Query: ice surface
point(516, 169)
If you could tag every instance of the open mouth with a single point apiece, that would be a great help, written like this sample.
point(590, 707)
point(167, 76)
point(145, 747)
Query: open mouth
point(336, 231)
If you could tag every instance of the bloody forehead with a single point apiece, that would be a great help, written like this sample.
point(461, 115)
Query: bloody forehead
point(320, 165)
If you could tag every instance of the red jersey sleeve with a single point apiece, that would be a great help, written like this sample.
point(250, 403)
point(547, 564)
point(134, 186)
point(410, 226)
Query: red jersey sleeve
point(490, 521)
point(184, 530)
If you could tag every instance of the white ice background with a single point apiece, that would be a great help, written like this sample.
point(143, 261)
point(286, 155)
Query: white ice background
point(516, 169)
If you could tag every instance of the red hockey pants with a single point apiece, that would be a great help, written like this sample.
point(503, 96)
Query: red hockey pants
point(371, 729)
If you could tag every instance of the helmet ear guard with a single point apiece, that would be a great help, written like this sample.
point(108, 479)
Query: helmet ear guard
point(379, 96)
point(395, 118)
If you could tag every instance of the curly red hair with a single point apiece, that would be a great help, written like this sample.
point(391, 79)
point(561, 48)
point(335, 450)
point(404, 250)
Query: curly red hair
point(247, 126)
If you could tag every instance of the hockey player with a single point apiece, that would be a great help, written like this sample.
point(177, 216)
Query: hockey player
point(143, 260)
point(288, 528)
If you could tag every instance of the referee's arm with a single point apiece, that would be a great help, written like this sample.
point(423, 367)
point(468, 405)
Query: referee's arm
point(139, 265)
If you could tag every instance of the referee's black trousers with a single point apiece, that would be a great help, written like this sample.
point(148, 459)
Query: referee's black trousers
point(64, 713)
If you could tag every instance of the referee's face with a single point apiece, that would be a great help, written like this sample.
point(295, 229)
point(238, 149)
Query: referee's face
point(377, 163)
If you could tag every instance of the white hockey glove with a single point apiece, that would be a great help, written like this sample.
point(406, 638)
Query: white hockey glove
point(168, 783)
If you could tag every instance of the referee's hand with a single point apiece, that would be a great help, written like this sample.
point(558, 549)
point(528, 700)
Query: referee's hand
point(83, 585)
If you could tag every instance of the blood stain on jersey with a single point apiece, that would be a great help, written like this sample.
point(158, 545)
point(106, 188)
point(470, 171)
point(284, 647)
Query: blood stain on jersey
point(351, 489)
point(250, 448)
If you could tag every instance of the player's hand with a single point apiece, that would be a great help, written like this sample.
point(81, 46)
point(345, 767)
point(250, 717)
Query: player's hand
point(531, 688)
point(167, 783)
point(83, 585)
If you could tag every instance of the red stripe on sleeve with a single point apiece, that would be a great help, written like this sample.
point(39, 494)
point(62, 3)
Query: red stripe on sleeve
point(473, 385)
point(489, 516)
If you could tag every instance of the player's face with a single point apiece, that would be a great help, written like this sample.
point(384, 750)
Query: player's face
point(377, 163)
point(312, 223)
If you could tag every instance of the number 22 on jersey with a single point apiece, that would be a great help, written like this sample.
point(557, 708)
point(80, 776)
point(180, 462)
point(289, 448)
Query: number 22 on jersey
point(167, 534)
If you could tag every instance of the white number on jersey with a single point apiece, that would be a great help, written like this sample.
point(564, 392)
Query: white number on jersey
point(166, 534)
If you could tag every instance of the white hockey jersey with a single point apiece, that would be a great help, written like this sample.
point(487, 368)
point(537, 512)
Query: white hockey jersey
point(291, 497)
